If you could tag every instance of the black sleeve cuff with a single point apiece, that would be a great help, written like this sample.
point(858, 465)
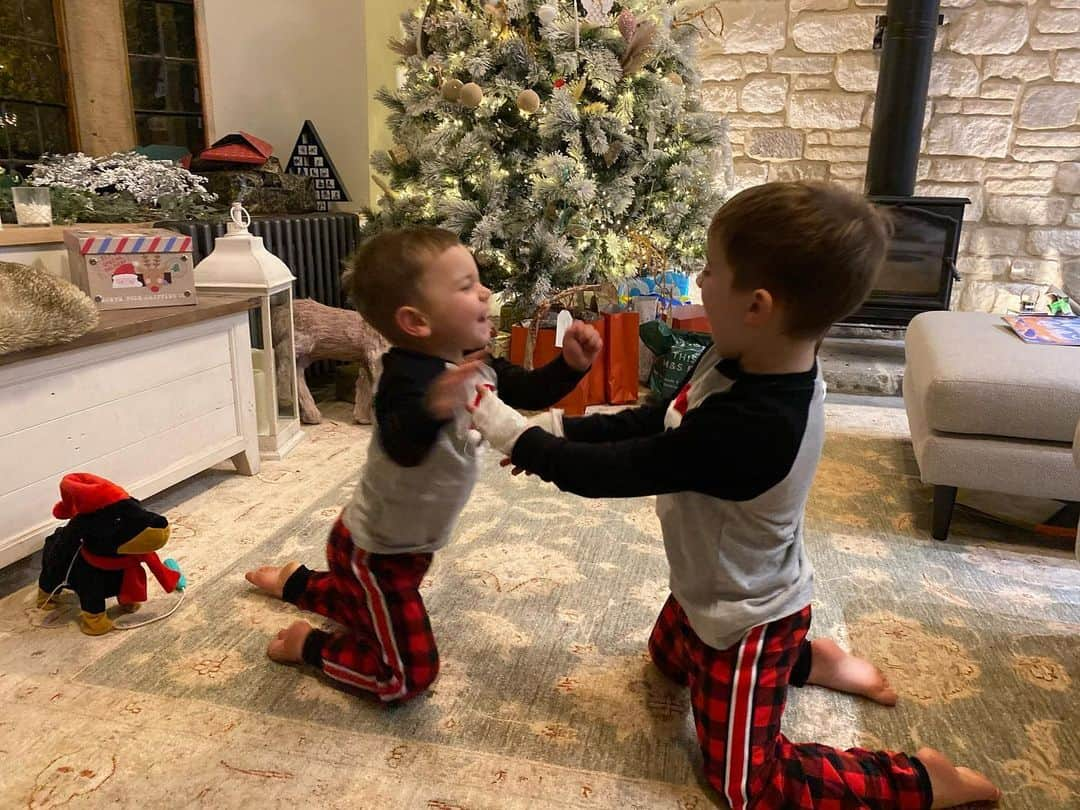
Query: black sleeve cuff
point(529, 447)
point(296, 584)
point(569, 427)
point(538, 389)
point(313, 646)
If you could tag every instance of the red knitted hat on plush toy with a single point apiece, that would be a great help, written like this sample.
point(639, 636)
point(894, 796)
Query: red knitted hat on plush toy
point(82, 493)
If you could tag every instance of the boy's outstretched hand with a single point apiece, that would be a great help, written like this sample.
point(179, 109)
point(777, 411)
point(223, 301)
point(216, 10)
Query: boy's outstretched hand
point(581, 346)
point(502, 426)
point(497, 422)
point(451, 390)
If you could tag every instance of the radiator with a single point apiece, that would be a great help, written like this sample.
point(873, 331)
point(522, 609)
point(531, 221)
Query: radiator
point(314, 246)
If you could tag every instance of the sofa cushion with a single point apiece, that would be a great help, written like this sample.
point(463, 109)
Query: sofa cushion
point(972, 374)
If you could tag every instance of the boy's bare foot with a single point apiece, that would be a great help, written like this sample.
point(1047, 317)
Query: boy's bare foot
point(835, 668)
point(954, 786)
point(288, 646)
point(272, 578)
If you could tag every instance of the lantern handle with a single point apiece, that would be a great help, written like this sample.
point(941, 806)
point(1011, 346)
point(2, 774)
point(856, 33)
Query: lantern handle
point(239, 218)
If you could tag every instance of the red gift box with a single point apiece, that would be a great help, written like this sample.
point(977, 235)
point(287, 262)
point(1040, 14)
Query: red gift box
point(689, 318)
point(700, 324)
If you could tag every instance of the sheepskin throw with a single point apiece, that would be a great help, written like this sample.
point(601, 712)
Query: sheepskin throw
point(40, 309)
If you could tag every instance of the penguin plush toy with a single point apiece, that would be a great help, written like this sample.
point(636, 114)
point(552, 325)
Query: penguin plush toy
point(101, 551)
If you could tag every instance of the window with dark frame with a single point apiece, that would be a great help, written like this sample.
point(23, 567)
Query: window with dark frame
point(34, 115)
point(164, 68)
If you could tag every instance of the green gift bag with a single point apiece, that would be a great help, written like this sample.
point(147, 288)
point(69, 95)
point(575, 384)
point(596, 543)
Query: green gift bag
point(676, 354)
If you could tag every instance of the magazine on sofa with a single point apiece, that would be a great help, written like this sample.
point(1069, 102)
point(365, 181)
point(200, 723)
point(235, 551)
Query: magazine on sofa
point(1048, 330)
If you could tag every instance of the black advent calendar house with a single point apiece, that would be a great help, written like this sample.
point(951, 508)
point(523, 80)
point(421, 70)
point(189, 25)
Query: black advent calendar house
point(310, 159)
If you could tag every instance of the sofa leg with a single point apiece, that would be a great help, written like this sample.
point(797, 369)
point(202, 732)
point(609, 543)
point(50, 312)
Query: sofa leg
point(944, 501)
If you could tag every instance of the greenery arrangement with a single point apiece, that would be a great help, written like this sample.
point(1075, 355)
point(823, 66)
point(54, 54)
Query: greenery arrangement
point(123, 187)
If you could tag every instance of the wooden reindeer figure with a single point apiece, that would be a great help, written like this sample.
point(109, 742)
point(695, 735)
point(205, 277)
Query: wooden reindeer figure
point(321, 332)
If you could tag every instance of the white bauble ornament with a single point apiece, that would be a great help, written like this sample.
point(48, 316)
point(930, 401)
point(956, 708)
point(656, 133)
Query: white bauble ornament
point(528, 101)
point(547, 13)
point(471, 95)
point(451, 89)
point(597, 11)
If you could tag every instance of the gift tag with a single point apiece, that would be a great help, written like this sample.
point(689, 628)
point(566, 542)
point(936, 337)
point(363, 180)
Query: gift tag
point(562, 323)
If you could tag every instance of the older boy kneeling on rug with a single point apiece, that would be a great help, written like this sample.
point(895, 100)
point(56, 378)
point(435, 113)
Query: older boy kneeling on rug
point(420, 288)
point(732, 458)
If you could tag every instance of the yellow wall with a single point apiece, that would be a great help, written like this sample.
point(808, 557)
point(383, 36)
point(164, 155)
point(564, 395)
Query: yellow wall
point(270, 64)
point(382, 26)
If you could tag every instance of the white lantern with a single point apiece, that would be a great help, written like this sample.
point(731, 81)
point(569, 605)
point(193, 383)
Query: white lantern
point(240, 263)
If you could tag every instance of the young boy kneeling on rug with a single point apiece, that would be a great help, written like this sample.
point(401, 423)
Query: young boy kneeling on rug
point(420, 288)
point(732, 458)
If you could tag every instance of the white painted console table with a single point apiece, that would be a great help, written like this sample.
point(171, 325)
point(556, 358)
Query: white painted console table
point(149, 398)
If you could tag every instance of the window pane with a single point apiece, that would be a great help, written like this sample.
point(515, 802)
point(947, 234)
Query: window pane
point(22, 129)
point(177, 30)
point(30, 72)
point(184, 76)
point(32, 80)
point(160, 28)
point(10, 17)
point(38, 20)
point(148, 83)
point(196, 136)
point(174, 130)
point(54, 130)
point(5, 120)
point(159, 85)
point(140, 20)
point(164, 72)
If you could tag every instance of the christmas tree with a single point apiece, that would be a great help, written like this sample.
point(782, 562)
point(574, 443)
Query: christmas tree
point(557, 139)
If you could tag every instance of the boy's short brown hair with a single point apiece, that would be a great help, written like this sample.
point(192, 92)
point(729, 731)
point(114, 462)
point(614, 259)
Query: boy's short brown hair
point(816, 247)
point(383, 274)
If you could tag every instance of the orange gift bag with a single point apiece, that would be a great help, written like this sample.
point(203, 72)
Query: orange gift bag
point(621, 347)
point(590, 391)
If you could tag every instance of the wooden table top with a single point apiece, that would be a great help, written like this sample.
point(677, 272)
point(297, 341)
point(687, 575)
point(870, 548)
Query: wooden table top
point(124, 323)
point(29, 235)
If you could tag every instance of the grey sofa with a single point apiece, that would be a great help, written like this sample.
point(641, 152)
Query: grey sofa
point(988, 411)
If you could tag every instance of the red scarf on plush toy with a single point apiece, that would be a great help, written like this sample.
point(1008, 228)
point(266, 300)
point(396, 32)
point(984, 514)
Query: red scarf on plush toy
point(133, 584)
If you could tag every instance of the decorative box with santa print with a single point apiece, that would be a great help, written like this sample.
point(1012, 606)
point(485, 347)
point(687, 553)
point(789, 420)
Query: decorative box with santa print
point(132, 267)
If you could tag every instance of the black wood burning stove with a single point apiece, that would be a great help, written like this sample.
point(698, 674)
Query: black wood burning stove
point(921, 264)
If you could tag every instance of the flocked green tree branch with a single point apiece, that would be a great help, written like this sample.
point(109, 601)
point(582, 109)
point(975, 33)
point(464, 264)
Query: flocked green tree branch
point(545, 135)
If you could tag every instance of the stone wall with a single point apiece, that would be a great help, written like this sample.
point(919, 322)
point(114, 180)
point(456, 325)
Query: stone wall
point(796, 81)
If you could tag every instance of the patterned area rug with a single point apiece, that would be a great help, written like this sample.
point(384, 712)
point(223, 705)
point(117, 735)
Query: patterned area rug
point(542, 605)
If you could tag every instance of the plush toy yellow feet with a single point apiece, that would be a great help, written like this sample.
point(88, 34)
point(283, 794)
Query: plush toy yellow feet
point(45, 601)
point(128, 607)
point(94, 624)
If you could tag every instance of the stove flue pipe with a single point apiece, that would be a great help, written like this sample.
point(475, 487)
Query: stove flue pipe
point(900, 104)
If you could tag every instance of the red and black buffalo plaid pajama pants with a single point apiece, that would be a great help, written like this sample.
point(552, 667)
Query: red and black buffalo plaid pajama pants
point(386, 646)
point(738, 697)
